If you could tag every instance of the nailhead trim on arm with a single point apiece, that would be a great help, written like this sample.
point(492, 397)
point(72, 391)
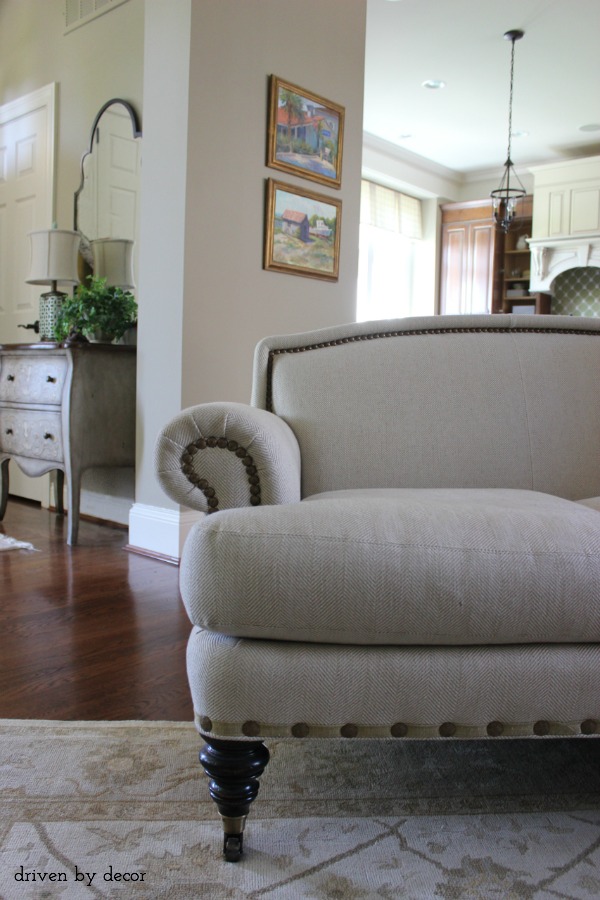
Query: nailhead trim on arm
point(221, 443)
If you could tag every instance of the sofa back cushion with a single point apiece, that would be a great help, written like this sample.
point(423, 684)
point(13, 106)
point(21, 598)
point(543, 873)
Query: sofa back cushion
point(477, 401)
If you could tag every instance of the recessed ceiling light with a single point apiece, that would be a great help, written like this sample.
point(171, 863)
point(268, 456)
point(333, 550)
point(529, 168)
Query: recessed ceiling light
point(593, 126)
point(433, 84)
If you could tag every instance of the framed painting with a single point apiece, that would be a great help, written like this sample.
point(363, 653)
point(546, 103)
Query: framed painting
point(302, 232)
point(305, 135)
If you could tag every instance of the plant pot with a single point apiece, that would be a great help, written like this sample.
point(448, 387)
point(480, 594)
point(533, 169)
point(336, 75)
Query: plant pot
point(130, 337)
point(101, 337)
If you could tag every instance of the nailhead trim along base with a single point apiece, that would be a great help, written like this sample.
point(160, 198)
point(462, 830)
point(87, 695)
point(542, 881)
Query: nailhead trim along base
point(221, 443)
point(356, 338)
point(541, 728)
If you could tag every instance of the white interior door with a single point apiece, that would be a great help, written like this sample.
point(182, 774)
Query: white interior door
point(27, 127)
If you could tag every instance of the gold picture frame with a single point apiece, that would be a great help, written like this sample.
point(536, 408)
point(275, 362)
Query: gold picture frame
point(302, 232)
point(306, 133)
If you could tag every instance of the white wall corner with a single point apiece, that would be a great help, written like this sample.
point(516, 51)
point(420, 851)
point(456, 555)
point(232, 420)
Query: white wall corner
point(160, 531)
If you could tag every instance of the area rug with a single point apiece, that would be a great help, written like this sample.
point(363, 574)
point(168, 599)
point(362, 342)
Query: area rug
point(9, 543)
point(97, 809)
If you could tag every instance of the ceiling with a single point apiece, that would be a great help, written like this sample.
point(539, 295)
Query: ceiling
point(464, 126)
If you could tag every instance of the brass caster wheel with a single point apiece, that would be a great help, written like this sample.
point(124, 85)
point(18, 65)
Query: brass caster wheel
point(232, 848)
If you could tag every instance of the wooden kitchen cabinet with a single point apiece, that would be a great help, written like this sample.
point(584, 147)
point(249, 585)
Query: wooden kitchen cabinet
point(483, 269)
point(65, 407)
point(470, 280)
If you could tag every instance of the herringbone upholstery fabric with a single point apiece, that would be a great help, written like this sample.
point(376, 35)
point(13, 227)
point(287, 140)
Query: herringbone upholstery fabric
point(505, 407)
point(592, 502)
point(278, 685)
point(399, 567)
point(267, 439)
point(423, 569)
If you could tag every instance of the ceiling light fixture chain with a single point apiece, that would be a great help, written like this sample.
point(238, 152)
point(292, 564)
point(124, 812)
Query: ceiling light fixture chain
point(504, 198)
point(510, 96)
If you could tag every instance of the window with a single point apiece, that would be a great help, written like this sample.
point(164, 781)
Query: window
point(390, 231)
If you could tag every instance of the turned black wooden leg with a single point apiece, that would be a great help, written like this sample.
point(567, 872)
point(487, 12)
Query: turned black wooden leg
point(234, 768)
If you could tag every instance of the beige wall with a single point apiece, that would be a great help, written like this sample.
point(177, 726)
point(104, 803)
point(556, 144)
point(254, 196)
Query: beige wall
point(230, 301)
point(226, 302)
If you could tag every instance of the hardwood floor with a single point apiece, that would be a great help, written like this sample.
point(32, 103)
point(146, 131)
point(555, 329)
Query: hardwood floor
point(88, 632)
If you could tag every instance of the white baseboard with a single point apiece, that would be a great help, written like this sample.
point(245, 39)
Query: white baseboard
point(102, 506)
point(154, 529)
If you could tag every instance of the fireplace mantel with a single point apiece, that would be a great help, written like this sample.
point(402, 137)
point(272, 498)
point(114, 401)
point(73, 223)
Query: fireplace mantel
point(552, 256)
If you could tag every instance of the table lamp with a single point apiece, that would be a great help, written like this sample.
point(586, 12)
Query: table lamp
point(53, 259)
point(113, 260)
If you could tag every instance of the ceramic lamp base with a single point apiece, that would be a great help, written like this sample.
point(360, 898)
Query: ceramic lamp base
point(50, 305)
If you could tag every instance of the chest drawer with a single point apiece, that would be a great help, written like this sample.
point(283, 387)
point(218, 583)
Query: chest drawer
point(27, 379)
point(32, 433)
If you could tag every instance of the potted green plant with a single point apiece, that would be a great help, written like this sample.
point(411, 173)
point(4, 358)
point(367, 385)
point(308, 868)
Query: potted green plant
point(96, 310)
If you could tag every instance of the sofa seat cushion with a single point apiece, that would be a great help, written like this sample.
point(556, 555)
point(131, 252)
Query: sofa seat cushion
point(592, 502)
point(395, 566)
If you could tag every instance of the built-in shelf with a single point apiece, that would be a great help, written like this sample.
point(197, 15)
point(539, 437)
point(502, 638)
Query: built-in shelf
point(516, 266)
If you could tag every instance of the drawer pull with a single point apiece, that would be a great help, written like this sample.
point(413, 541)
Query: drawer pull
point(9, 431)
point(10, 378)
point(48, 436)
point(51, 378)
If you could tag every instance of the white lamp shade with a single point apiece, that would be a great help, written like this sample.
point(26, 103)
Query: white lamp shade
point(53, 256)
point(113, 260)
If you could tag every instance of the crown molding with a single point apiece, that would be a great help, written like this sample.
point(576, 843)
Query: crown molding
point(379, 145)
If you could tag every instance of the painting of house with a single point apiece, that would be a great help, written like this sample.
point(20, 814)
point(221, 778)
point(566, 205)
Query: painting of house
point(311, 125)
point(302, 235)
point(305, 132)
point(296, 224)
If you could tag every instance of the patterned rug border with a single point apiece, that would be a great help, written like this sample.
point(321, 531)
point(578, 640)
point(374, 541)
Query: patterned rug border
point(130, 803)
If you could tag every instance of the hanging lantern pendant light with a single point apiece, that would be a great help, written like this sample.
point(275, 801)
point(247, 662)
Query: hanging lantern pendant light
point(505, 197)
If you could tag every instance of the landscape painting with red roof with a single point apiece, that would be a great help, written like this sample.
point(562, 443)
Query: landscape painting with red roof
point(303, 232)
point(305, 133)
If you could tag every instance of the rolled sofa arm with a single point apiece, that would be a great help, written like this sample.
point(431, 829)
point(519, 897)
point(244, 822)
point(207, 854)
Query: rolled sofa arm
point(223, 455)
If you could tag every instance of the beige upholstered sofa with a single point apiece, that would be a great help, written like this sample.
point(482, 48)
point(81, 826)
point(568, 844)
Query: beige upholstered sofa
point(405, 541)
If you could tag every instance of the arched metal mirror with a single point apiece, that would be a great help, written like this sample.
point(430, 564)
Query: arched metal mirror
point(107, 201)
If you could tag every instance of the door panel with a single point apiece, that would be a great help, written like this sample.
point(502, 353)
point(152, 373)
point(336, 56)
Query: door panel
point(26, 204)
point(482, 248)
point(454, 265)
